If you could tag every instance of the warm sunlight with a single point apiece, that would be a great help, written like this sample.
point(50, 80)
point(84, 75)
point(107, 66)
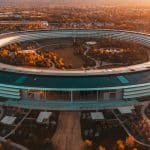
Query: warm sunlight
point(74, 74)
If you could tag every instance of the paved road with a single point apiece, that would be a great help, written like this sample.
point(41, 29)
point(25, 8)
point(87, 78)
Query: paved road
point(68, 134)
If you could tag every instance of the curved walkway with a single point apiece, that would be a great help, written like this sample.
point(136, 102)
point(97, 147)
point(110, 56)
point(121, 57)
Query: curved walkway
point(143, 112)
point(97, 64)
point(53, 67)
point(127, 131)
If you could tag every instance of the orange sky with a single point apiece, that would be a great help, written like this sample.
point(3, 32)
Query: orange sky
point(70, 2)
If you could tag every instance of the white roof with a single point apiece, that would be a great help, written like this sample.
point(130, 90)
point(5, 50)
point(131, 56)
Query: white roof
point(27, 51)
point(126, 110)
point(8, 120)
point(42, 116)
point(97, 115)
point(91, 42)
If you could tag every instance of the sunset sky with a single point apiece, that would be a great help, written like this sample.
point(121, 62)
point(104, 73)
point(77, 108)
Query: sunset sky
point(97, 2)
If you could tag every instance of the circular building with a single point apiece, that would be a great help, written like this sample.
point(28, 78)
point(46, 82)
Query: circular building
point(74, 89)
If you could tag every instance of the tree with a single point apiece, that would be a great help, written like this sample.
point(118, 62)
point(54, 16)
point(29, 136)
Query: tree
point(101, 147)
point(130, 142)
point(120, 145)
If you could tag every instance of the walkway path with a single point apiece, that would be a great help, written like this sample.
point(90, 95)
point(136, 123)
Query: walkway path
point(68, 134)
point(43, 46)
point(128, 132)
point(13, 144)
point(18, 125)
point(1, 112)
point(145, 105)
point(97, 64)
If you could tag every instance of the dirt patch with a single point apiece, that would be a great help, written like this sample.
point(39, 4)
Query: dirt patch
point(69, 57)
